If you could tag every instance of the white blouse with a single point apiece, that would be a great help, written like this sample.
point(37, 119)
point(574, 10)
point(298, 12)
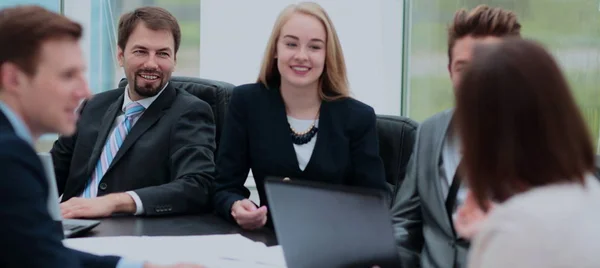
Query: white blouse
point(304, 151)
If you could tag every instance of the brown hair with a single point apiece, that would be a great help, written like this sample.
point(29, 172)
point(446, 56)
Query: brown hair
point(155, 18)
point(518, 122)
point(482, 21)
point(333, 83)
point(23, 29)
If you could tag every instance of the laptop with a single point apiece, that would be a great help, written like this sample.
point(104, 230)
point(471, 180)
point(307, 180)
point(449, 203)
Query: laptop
point(70, 227)
point(324, 225)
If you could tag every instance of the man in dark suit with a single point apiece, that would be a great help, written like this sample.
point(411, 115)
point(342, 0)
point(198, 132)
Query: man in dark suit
point(423, 209)
point(42, 80)
point(143, 149)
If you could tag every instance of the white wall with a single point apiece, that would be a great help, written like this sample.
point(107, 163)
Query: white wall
point(234, 33)
point(392, 31)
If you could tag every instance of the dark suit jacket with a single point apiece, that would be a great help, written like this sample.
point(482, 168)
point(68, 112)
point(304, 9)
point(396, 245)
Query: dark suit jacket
point(256, 136)
point(167, 157)
point(28, 234)
point(424, 233)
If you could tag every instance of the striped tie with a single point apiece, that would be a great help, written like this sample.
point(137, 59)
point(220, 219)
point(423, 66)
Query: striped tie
point(132, 111)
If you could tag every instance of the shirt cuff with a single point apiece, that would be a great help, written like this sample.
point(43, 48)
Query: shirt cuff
point(139, 207)
point(125, 263)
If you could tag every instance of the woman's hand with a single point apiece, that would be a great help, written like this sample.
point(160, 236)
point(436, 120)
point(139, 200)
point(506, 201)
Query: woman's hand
point(247, 215)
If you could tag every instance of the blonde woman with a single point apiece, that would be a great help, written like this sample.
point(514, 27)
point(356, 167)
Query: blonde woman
point(296, 121)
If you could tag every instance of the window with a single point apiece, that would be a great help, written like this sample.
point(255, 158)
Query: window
point(53, 5)
point(569, 28)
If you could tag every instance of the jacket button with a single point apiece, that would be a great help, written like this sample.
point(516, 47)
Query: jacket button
point(103, 186)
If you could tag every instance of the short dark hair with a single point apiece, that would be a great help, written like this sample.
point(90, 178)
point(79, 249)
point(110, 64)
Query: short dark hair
point(155, 18)
point(23, 29)
point(518, 122)
point(482, 21)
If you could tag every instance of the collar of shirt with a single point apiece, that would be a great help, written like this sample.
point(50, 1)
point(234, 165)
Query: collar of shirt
point(451, 154)
point(18, 124)
point(144, 102)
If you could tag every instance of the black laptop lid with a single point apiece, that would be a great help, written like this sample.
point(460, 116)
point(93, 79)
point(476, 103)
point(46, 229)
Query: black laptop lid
point(322, 225)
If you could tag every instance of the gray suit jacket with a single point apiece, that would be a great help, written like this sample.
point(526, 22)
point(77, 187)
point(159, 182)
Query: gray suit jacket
point(424, 233)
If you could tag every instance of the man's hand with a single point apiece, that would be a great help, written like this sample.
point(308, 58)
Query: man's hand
point(247, 215)
point(470, 217)
point(179, 265)
point(97, 207)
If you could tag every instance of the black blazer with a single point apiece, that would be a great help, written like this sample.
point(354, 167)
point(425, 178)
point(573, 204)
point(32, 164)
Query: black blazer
point(256, 136)
point(167, 157)
point(29, 235)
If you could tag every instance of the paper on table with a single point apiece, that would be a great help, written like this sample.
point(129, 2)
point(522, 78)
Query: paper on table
point(213, 251)
point(272, 256)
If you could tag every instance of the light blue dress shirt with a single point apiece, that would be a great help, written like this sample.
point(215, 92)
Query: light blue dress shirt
point(24, 133)
point(20, 128)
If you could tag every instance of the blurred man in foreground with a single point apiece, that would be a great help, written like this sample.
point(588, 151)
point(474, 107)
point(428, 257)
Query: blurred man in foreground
point(41, 84)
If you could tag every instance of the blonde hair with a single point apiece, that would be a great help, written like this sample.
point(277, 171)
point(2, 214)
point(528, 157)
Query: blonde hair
point(333, 83)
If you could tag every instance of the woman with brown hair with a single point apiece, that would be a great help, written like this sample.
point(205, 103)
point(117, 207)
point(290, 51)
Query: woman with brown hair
point(527, 150)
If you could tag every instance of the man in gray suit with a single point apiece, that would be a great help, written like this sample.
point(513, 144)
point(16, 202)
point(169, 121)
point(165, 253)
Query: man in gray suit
point(424, 205)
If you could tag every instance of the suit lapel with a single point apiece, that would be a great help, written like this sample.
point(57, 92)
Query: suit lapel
point(107, 125)
point(440, 129)
point(148, 118)
point(282, 136)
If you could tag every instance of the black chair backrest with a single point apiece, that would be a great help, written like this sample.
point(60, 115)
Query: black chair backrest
point(215, 93)
point(397, 136)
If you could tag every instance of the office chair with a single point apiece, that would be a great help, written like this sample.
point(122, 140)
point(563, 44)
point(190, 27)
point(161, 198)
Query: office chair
point(215, 93)
point(397, 136)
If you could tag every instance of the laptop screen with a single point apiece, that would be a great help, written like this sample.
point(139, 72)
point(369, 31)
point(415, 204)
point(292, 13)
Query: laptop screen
point(324, 225)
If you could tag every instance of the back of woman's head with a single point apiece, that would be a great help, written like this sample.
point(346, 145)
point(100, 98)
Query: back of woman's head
point(518, 122)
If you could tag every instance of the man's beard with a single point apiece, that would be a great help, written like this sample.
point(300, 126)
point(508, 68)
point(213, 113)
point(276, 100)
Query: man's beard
point(148, 90)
